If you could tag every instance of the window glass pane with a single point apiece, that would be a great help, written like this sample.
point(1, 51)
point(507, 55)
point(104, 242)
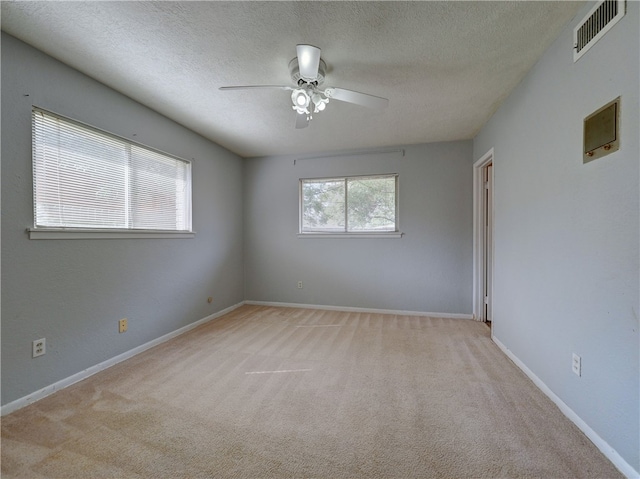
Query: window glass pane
point(158, 186)
point(323, 205)
point(78, 177)
point(372, 204)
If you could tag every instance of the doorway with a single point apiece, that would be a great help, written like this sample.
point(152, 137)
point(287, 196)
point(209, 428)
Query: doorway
point(483, 226)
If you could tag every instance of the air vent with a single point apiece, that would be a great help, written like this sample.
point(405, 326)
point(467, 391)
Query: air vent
point(597, 22)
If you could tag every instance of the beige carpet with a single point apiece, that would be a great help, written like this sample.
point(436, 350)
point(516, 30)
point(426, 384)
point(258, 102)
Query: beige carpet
point(293, 393)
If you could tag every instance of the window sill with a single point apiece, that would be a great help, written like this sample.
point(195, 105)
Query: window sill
point(68, 233)
point(393, 234)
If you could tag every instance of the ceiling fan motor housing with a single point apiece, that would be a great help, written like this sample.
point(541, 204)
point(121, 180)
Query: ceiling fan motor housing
point(294, 70)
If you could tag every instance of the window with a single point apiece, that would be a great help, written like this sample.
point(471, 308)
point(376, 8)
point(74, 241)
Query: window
point(359, 204)
point(86, 179)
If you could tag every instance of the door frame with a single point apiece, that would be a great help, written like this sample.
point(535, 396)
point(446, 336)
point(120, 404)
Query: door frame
point(479, 232)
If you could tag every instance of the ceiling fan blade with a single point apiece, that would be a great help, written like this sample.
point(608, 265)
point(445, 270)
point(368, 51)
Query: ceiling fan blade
point(302, 121)
point(256, 87)
point(362, 99)
point(308, 61)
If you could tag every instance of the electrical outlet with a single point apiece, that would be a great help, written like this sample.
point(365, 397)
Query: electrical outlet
point(576, 364)
point(210, 299)
point(122, 325)
point(39, 347)
point(299, 284)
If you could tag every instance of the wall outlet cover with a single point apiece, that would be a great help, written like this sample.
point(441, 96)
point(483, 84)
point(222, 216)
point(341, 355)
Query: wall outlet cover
point(576, 364)
point(39, 347)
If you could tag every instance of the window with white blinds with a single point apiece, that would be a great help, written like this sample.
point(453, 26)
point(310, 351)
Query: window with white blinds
point(84, 178)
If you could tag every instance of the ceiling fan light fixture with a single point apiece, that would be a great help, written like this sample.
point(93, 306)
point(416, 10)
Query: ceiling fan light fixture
point(301, 100)
point(319, 102)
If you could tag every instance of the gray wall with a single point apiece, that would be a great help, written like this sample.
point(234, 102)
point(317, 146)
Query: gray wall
point(73, 291)
point(429, 269)
point(566, 234)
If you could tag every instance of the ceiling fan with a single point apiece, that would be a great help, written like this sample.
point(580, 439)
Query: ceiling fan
point(307, 73)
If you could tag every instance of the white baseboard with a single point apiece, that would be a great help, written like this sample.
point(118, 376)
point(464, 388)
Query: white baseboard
point(610, 453)
point(46, 391)
point(360, 310)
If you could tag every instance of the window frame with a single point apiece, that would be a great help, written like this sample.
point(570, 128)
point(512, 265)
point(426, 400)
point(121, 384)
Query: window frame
point(348, 234)
point(73, 232)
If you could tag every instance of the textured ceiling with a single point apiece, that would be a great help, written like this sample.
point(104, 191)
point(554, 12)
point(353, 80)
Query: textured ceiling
point(444, 66)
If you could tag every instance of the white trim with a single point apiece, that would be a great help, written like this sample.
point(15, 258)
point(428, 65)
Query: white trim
point(66, 233)
point(610, 453)
point(478, 238)
point(63, 383)
point(351, 235)
point(360, 310)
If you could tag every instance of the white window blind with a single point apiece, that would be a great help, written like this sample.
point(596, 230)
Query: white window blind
point(359, 204)
point(84, 178)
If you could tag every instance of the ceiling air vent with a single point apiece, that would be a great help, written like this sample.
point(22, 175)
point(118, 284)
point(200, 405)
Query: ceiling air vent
point(598, 21)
